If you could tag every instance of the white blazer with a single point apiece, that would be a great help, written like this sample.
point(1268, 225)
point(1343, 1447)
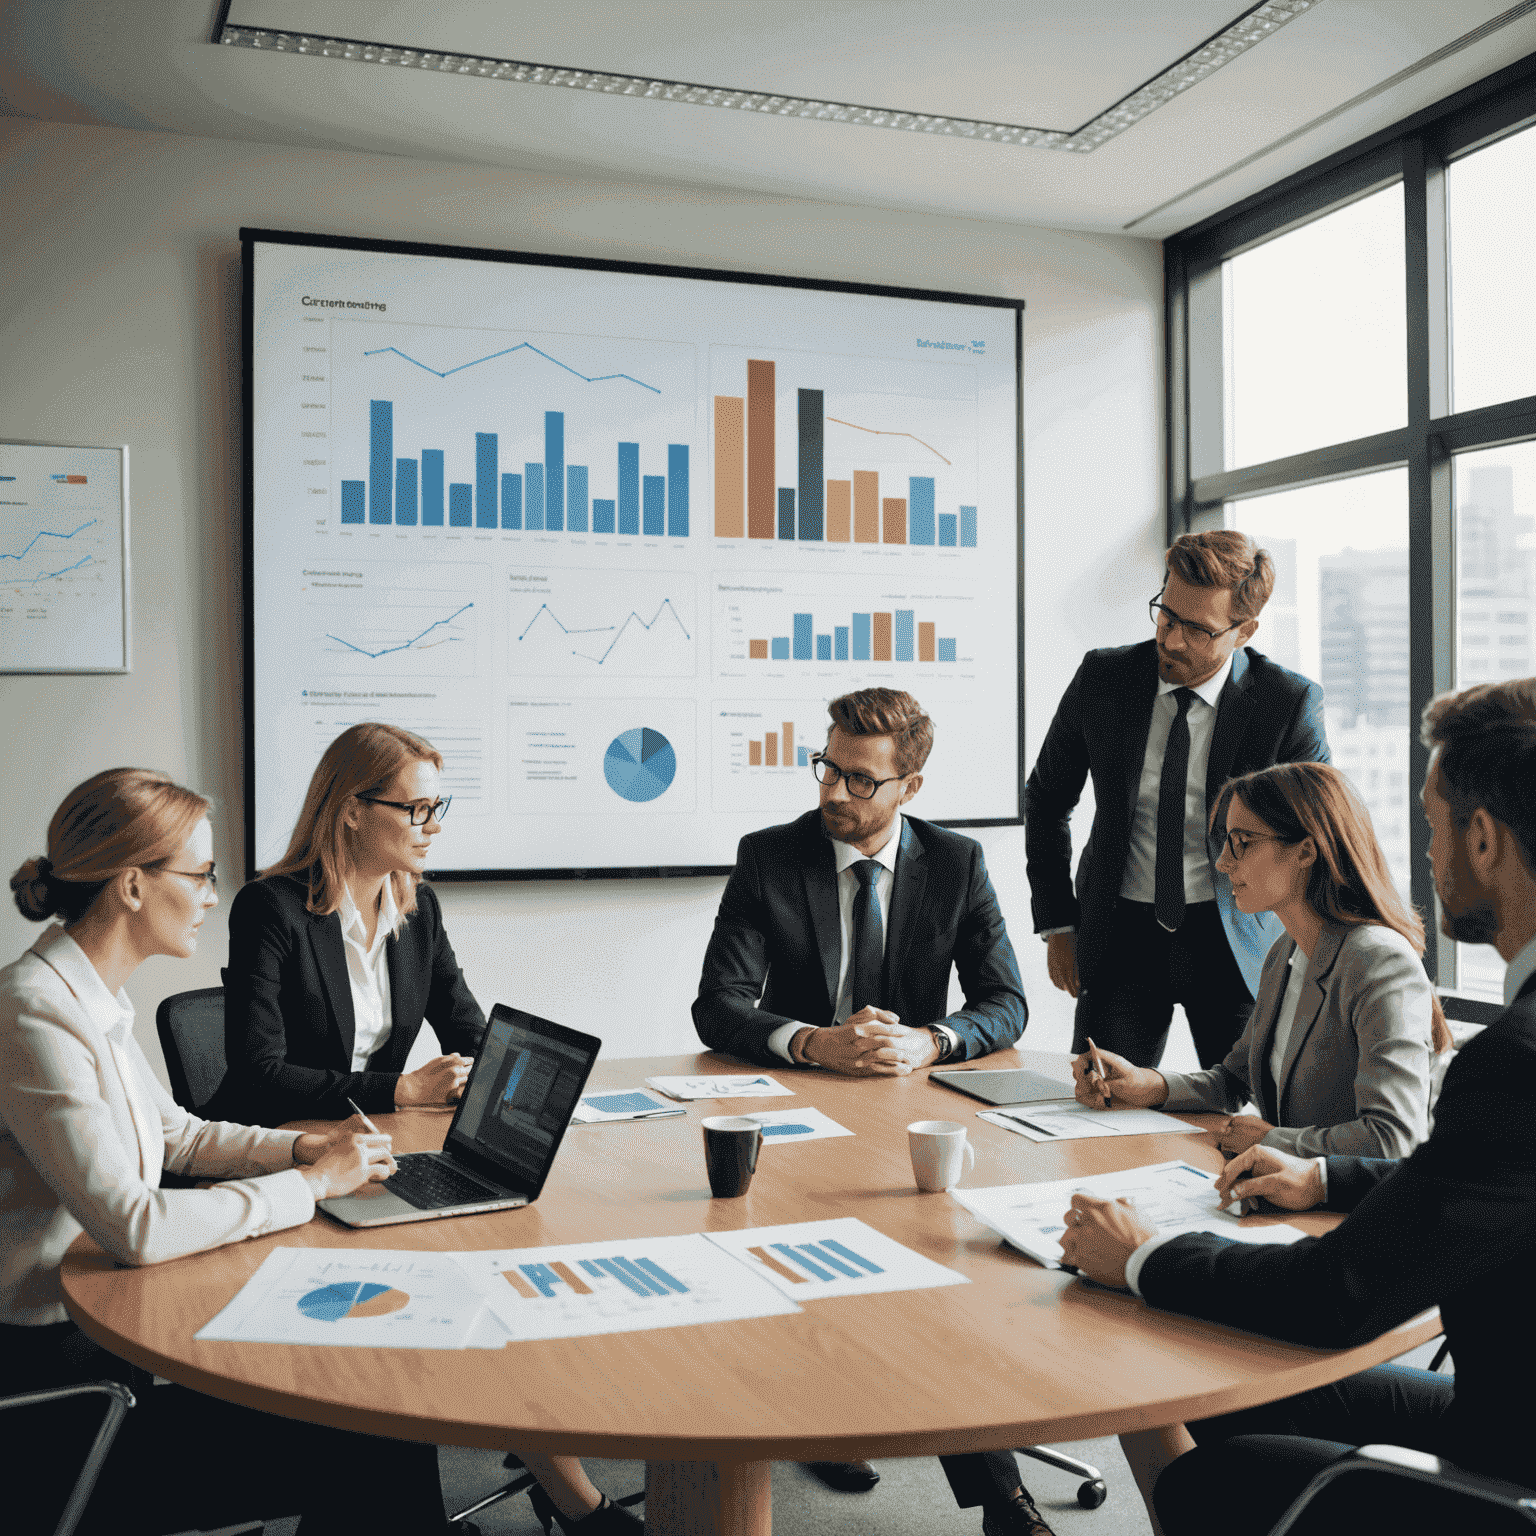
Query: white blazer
point(86, 1129)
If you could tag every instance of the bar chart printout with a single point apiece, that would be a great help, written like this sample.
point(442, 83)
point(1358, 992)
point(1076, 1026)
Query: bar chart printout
point(897, 635)
point(778, 749)
point(579, 1289)
point(842, 1257)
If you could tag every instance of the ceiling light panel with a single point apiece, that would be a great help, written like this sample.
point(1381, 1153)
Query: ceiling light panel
point(1246, 32)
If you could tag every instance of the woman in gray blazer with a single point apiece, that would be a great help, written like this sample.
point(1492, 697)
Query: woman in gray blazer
point(1336, 1054)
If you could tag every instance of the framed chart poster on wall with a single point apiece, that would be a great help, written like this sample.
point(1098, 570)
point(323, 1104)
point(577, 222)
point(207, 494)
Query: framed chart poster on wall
point(63, 558)
point(610, 536)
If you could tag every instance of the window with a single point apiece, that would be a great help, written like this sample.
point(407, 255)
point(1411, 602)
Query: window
point(1352, 380)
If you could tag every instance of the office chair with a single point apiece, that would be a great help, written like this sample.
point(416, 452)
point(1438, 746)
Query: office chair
point(1481, 1504)
point(1091, 1492)
point(119, 1401)
point(191, 1030)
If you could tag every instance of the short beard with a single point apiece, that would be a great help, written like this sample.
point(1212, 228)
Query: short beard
point(1474, 925)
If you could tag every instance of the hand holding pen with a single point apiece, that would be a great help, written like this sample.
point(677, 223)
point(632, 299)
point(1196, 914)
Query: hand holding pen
point(1100, 1076)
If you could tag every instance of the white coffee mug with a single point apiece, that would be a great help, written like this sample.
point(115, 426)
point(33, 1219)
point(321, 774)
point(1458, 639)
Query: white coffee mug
point(940, 1152)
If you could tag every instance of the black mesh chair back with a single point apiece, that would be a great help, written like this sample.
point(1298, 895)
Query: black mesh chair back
point(191, 1029)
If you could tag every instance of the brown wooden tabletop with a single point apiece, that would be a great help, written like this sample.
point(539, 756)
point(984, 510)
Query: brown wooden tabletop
point(1020, 1356)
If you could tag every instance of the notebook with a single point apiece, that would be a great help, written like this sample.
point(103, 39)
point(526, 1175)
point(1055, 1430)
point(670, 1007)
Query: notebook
point(510, 1122)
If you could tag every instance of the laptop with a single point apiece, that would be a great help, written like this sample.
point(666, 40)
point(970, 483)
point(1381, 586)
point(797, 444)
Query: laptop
point(1012, 1085)
point(518, 1101)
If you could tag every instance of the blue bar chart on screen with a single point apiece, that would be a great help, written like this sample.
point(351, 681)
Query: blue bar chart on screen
point(611, 538)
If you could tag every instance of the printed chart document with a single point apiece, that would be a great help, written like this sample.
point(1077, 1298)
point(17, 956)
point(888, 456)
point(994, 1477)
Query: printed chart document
point(621, 1104)
point(618, 1286)
point(1172, 1196)
point(365, 1297)
point(842, 1257)
point(781, 1125)
point(1072, 1122)
point(758, 1086)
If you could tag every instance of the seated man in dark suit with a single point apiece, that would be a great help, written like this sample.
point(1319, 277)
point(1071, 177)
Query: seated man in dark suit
point(833, 946)
point(1453, 1226)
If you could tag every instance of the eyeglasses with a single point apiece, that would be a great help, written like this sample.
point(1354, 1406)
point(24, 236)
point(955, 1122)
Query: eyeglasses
point(206, 879)
point(1196, 635)
point(860, 785)
point(420, 811)
point(1240, 841)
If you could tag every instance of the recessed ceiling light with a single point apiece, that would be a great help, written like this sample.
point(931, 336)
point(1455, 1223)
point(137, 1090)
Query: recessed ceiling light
point(1250, 28)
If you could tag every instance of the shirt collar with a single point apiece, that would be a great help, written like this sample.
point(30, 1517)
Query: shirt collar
point(1520, 971)
point(847, 855)
point(1208, 691)
point(352, 918)
point(113, 1016)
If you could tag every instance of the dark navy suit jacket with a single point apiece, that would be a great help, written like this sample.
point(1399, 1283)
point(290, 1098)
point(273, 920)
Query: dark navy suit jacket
point(777, 946)
point(1265, 715)
point(288, 1019)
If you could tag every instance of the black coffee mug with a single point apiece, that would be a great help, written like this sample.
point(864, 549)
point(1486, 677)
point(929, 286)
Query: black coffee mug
point(730, 1153)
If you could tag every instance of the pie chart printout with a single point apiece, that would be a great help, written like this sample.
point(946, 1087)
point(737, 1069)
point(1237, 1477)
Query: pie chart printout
point(351, 1298)
point(640, 764)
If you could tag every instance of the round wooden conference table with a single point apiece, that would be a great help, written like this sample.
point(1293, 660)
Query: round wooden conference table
point(1020, 1356)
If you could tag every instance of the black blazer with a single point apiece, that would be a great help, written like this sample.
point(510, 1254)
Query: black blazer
point(775, 952)
point(1265, 715)
point(288, 1021)
point(1452, 1226)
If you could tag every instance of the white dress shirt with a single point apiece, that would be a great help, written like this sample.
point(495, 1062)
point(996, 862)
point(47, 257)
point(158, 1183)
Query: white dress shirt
point(86, 1129)
point(368, 973)
point(1286, 1018)
point(1140, 882)
point(846, 856)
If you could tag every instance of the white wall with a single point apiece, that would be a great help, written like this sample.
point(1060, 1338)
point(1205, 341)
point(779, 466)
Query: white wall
point(120, 323)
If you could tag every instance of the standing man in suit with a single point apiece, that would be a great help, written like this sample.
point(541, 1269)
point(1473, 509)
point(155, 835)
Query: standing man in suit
point(836, 933)
point(1453, 1226)
point(832, 949)
point(1160, 727)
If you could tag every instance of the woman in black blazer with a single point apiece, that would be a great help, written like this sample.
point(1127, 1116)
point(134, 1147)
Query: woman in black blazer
point(336, 955)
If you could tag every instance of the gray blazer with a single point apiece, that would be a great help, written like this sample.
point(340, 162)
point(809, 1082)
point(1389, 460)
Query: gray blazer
point(1355, 1078)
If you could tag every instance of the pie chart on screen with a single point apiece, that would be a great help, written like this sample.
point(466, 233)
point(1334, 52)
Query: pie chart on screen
point(640, 764)
point(351, 1298)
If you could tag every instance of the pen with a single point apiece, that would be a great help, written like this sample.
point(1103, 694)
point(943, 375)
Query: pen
point(364, 1118)
point(1098, 1067)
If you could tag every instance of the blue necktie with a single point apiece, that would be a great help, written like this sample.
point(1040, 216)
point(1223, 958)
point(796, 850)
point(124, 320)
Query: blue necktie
point(1171, 791)
point(868, 957)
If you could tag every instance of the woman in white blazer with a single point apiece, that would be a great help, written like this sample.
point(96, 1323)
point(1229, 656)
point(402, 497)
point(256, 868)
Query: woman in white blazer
point(1336, 1055)
point(85, 1133)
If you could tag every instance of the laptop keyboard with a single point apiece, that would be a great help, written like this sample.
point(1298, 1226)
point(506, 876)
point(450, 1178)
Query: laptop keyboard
point(430, 1183)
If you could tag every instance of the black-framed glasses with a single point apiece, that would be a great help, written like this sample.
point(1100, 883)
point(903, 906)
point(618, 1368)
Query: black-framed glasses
point(420, 811)
point(860, 785)
point(1197, 636)
point(1239, 841)
point(205, 877)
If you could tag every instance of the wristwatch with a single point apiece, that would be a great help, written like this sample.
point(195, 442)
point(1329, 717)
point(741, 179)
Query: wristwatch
point(942, 1040)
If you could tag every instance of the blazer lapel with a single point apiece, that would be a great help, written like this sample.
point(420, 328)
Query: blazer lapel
point(1314, 993)
point(1138, 722)
point(1263, 1042)
point(331, 961)
point(1232, 711)
point(819, 873)
point(906, 902)
point(402, 974)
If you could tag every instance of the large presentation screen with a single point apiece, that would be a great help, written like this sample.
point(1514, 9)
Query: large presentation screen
point(611, 536)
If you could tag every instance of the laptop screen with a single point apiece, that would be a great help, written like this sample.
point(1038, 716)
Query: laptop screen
point(521, 1095)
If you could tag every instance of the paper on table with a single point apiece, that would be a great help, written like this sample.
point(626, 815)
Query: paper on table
point(1171, 1196)
point(841, 1257)
point(780, 1125)
point(620, 1104)
point(743, 1087)
point(1073, 1122)
point(365, 1297)
point(618, 1286)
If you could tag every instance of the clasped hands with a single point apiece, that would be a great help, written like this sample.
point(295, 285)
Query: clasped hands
point(343, 1160)
point(1101, 1235)
point(872, 1043)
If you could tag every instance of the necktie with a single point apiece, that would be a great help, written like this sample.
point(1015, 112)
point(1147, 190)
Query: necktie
point(1170, 817)
point(867, 959)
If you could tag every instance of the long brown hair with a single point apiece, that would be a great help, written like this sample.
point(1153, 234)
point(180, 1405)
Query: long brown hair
point(1349, 884)
point(121, 818)
point(363, 760)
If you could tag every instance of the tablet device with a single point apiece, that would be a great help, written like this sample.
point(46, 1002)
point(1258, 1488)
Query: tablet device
point(1012, 1086)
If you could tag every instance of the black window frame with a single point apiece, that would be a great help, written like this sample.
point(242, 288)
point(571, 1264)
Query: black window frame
point(1415, 153)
